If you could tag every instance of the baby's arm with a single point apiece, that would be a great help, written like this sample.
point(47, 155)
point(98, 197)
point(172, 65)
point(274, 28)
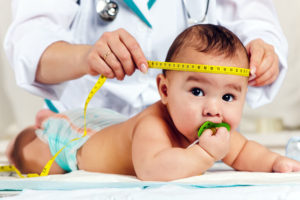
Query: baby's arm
point(156, 157)
point(250, 156)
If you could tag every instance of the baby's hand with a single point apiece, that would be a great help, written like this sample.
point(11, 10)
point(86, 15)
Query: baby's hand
point(216, 145)
point(283, 164)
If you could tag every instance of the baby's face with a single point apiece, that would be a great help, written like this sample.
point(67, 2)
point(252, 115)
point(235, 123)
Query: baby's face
point(194, 98)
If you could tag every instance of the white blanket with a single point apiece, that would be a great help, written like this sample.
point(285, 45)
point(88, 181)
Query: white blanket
point(86, 180)
point(212, 185)
point(169, 192)
point(220, 182)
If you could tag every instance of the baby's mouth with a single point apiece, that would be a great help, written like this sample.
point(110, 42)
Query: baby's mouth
point(212, 126)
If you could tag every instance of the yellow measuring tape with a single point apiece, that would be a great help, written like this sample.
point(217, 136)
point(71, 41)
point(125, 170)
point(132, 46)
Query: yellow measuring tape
point(199, 68)
point(100, 82)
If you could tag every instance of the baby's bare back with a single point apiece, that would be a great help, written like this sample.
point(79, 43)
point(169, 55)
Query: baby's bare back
point(109, 150)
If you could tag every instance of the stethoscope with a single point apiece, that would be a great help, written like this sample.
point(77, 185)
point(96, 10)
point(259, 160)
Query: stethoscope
point(190, 19)
point(108, 11)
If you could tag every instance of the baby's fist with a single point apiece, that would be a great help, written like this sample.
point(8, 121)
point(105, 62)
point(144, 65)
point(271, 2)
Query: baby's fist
point(217, 145)
point(283, 164)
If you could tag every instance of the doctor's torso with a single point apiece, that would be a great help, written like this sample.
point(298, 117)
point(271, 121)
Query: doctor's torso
point(167, 17)
point(38, 24)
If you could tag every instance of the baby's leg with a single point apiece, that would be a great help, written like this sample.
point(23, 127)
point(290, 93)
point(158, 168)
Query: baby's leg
point(29, 154)
point(11, 148)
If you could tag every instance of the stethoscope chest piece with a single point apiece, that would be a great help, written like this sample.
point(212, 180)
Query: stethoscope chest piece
point(107, 9)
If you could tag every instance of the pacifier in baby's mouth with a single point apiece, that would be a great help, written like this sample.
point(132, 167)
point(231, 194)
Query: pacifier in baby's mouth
point(212, 126)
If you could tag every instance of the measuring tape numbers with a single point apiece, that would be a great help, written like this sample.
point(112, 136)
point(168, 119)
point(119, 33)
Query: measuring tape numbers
point(199, 68)
point(102, 79)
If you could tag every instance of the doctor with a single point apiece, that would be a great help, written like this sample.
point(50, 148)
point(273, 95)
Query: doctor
point(59, 47)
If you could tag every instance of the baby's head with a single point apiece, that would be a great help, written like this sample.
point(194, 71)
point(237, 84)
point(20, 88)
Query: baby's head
point(193, 97)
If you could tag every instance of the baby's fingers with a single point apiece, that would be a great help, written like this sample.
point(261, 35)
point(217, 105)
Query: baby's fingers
point(223, 133)
point(218, 135)
point(207, 133)
point(222, 130)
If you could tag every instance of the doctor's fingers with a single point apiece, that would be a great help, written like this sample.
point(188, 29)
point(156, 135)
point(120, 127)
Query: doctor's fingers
point(268, 71)
point(262, 56)
point(111, 61)
point(96, 65)
point(135, 54)
point(135, 50)
point(123, 55)
point(255, 51)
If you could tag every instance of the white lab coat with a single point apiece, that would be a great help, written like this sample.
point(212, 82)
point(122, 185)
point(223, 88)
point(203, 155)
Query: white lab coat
point(36, 24)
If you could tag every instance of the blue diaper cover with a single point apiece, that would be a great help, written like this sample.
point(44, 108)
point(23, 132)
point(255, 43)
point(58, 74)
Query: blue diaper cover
point(60, 129)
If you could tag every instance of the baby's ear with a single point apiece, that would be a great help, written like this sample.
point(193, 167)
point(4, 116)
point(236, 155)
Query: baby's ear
point(162, 86)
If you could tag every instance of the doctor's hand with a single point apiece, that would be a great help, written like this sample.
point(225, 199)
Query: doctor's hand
point(216, 145)
point(264, 64)
point(115, 55)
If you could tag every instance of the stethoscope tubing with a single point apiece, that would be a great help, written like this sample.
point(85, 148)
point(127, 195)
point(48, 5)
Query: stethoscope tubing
point(105, 13)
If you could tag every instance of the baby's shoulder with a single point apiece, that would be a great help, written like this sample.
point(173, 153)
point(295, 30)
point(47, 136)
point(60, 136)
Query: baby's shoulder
point(156, 113)
point(152, 121)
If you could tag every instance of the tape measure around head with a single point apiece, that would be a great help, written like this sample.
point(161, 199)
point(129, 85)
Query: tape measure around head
point(199, 68)
point(151, 64)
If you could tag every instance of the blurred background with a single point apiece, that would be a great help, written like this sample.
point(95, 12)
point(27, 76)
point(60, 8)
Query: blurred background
point(272, 124)
point(284, 110)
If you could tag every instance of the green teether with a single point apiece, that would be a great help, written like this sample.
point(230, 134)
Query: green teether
point(212, 125)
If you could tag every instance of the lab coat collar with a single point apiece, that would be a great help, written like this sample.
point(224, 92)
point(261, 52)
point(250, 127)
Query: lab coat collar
point(141, 9)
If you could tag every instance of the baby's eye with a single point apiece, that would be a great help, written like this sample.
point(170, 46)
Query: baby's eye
point(228, 97)
point(197, 92)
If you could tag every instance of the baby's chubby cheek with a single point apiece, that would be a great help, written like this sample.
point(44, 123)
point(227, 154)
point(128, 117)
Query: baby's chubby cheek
point(186, 119)
point(188, 127)
point(233, 122)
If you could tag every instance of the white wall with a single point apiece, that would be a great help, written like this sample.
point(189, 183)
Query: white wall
point(18, 108)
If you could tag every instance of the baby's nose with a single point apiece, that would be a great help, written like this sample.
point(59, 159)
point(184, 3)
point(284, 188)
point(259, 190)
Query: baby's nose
point(211, 113)
point(212, 109)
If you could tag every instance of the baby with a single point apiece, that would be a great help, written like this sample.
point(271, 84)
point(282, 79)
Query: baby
point(154, 144)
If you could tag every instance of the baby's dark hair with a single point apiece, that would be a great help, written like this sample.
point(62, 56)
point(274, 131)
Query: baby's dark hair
point(208, 38)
